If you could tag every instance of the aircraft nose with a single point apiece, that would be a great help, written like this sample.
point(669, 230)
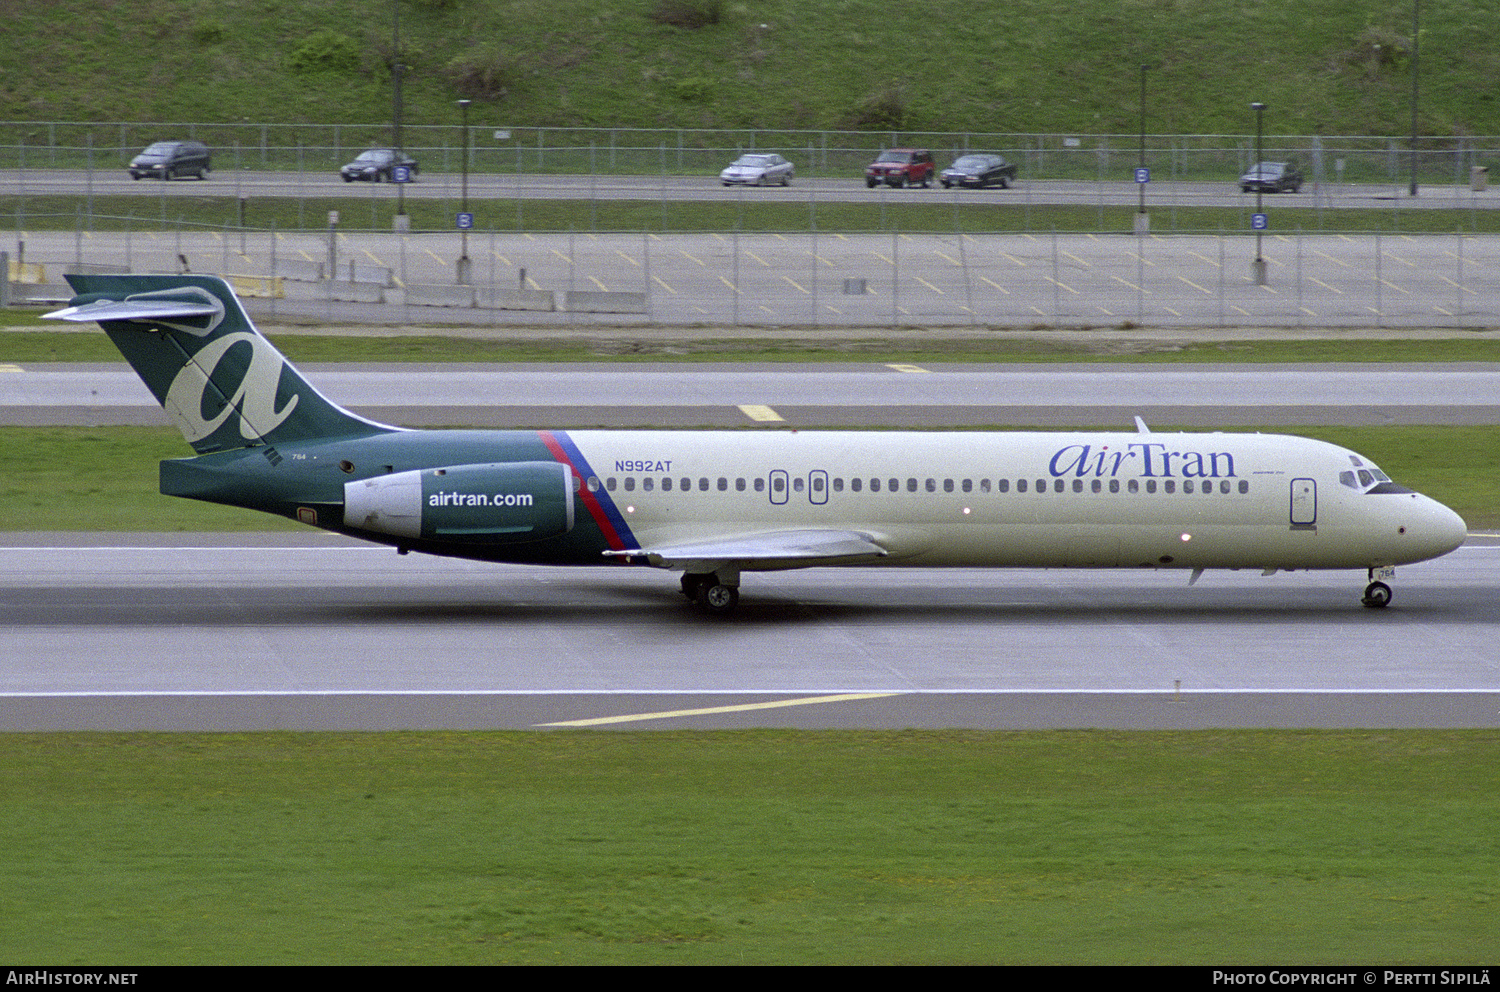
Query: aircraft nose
point(1436, 529)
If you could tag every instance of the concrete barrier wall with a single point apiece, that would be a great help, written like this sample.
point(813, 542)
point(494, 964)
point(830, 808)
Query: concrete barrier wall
point(352, 271)
point(94, 269)
point(516, 299)
point(351, 292)
point(580, 301)
point(34, 273)
point(440, 295)
point(262, 287)
point(299, 269)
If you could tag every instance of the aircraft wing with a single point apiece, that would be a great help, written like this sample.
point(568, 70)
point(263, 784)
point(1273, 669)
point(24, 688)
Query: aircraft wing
point(146, 309)
point(775, 549)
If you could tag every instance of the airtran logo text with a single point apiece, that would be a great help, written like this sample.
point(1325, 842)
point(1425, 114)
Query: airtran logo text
point(479, 499)
point(1148, 459)
point(255, 399)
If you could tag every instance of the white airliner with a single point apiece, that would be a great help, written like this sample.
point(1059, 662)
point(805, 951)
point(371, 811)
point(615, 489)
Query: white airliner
point(714, 505)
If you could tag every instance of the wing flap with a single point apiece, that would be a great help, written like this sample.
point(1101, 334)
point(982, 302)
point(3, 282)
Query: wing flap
point(775, 549)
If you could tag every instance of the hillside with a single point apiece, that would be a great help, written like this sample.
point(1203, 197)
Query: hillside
point(1322, 66)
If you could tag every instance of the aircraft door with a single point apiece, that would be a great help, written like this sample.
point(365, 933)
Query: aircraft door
point(817, 487)
point(780, 490)
point(1304, 503)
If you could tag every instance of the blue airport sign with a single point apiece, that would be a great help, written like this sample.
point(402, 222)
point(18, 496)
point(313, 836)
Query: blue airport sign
point(465, 221)
point(1143, 175)
point(400, 173)
point(1260, 222)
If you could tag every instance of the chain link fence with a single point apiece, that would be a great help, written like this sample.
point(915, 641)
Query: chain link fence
point(683, 151)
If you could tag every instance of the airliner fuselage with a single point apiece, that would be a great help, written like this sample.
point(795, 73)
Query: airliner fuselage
point(715, 504)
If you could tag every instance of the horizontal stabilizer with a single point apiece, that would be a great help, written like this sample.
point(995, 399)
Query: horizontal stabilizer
point(784, 549)
point(136, 309)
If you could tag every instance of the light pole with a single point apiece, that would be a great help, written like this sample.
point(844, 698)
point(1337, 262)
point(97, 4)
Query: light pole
point(1258, 267)
point(1142, 222)
point(1416, 30)
point(465, 219)
point(400, 222)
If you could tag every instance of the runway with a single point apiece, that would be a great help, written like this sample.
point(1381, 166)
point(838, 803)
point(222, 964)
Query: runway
point(308, 631)
point(826, 396)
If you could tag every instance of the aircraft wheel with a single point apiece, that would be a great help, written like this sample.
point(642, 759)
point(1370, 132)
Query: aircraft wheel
point(717, 598)
point(1377, 596)
point(693, 583)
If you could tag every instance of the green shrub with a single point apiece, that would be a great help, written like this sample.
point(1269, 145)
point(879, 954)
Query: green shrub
point(694, 89)
point(1377, 50)
point(690, 14)
point(484, 73)
point(325, 51)
point(209, 33)
point(882, 110)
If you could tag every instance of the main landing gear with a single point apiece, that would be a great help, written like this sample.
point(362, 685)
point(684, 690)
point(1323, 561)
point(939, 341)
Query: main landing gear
point(713, 593)
point(1377, 593)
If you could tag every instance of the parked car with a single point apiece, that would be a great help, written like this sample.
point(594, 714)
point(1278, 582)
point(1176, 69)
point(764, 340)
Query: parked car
point(171, 159)
point(901, 166)
point(1272, 177)
point(978, 171)
point(759, 169)
point(376, 164)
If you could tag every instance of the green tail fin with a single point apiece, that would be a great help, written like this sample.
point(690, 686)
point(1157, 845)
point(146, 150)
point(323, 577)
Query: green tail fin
point(220, 380)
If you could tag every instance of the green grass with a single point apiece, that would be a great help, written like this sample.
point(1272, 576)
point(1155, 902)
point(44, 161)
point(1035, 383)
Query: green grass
point(105, 478)
point(826, 344)
point(1031, 67)
point(941, 215)
point(760, 847)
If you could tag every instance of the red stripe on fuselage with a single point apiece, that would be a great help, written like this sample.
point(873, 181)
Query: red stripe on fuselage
point(590, 500)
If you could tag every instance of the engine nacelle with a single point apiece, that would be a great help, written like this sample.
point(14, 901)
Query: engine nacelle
point(483, 504)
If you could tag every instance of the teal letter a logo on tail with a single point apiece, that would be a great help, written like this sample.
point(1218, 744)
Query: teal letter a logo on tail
point(223, 384)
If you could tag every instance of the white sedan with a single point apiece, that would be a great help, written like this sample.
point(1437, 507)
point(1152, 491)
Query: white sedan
point(757, 170)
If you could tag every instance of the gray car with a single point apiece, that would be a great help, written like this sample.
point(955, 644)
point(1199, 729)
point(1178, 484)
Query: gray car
point(1272, 177)
point(757, 170)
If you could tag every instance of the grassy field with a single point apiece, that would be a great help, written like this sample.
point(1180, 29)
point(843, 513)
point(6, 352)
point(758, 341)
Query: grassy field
point(1322, 66)
point(751, 848)
point(26, 337)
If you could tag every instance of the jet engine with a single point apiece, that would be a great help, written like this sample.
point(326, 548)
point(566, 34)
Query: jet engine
point(484, 504)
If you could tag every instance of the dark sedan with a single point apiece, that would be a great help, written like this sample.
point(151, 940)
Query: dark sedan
point(376, 165)
point(1272, 177)
point(978, 171)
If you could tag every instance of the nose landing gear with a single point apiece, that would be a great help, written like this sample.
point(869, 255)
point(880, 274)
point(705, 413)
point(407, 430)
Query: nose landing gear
point(1378, 594)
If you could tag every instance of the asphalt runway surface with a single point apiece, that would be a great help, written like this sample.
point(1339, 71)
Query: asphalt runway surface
point(822, 396)
point(309, 631)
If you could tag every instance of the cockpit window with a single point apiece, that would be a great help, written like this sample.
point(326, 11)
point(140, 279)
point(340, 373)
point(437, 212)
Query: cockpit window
point(1368, 479)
